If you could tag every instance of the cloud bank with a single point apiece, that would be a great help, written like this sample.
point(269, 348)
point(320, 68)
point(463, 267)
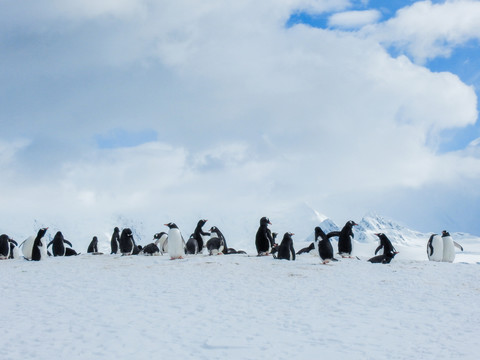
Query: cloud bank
point(233, 116)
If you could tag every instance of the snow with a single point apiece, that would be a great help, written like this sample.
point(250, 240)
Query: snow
point(245, 307)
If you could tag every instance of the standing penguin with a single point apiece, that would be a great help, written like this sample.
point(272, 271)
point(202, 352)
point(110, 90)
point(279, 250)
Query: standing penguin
point(285, 250)
point(59, 248)
point(93, 247)
point(127, 244)
point(4, 247)
point(323, 246)
point(449, 247)
point(199, 234)
point(192, 245)
point(115, 241)
point(162, 244)
point(176, 244)
point(263, 238)
point(345, 237)
point(435, 248)
point(34, 248)
point(389, 251)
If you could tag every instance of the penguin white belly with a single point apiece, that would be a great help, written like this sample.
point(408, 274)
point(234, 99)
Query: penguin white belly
point(448, 249)
point(27, 247)
point(175, 244)
point(437, 245)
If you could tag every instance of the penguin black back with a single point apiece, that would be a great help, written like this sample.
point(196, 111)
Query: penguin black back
point(93, 247)
point(325, 248)
point(192, 245)
point(386, 244)
point(345, 238)
point(37, 244)
point(115, 241)
point(263, 238)
point(285, 249)
point(198, 232)
point(4, 246)
point(126, 242)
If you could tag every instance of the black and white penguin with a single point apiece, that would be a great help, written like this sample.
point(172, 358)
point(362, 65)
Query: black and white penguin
point(306, 249)
point(324, 246)
point(127, 243)
point(13, 249)
point(200, 235)
point(4, 247)
point(386, 244)
point(152, 248)
point(383, 259)
point(176, 244)
point(449, 247)
point(215, 245)
point(264, 239)
point(435, 248)
point(115, 241)
point(285, 250)
point(192, 245)
point(345, 237)
point(58, 246)
point(162, 243)
point(34, 248)
point(93, 247)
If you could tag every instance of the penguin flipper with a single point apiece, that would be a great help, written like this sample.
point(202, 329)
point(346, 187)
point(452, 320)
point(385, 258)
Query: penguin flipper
point(68, 242)
point(50, 243)
point(333, 234)
point(458, 245)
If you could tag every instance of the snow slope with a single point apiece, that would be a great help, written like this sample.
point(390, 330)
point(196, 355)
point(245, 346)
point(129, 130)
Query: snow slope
point(238, 307)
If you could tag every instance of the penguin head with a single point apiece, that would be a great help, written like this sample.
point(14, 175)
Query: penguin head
point(171, 225)
point(201, 222)
point(95, 240)
point(213, 229)
point(42, 232)
point(319, 233)
point(352, 223)
point(116, 229)
point(445, 233)
point(159, 235)
point(265, 221)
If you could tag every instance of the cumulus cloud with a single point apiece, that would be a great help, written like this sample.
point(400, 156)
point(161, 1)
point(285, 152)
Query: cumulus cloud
point(249, 118)
point(427, 30)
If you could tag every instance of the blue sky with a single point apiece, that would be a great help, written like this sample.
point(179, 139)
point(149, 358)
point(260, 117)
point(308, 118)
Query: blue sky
point(179, 110)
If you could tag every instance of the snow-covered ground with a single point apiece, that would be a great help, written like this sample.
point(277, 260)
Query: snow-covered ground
point(242, 307)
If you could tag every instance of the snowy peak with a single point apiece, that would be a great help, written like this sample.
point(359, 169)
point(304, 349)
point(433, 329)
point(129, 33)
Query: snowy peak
point(398, 234)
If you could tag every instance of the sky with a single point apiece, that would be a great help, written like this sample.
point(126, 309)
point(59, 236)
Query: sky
point(145, 112)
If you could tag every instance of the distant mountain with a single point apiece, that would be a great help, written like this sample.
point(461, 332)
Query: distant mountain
point(398, 234)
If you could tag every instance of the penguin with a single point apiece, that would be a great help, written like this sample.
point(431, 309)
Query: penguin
point(306, 249)
point(13, 249)
point(199, 234)
point(264, 238)
point(435, 248)
point(58, 246)
point(162, 244)
point(192, 245)
point(115, 241)
point(151, 249)
point(176, 244)
point(386, 244)
point(285, 249)
point(127, 243)
point(215, 245)
point(386, 258)
point(324, 246)
point(345, 237)
point(93, 247)
point(34, 248)
point(4, 247)
point(449, 247)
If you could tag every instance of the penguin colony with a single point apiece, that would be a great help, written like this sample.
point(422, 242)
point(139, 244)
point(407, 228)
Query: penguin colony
point(35, 248)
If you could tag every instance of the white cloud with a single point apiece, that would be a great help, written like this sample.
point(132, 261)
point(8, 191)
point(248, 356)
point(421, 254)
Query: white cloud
point(354, 19)
point(252, 118)
point(425, 30)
